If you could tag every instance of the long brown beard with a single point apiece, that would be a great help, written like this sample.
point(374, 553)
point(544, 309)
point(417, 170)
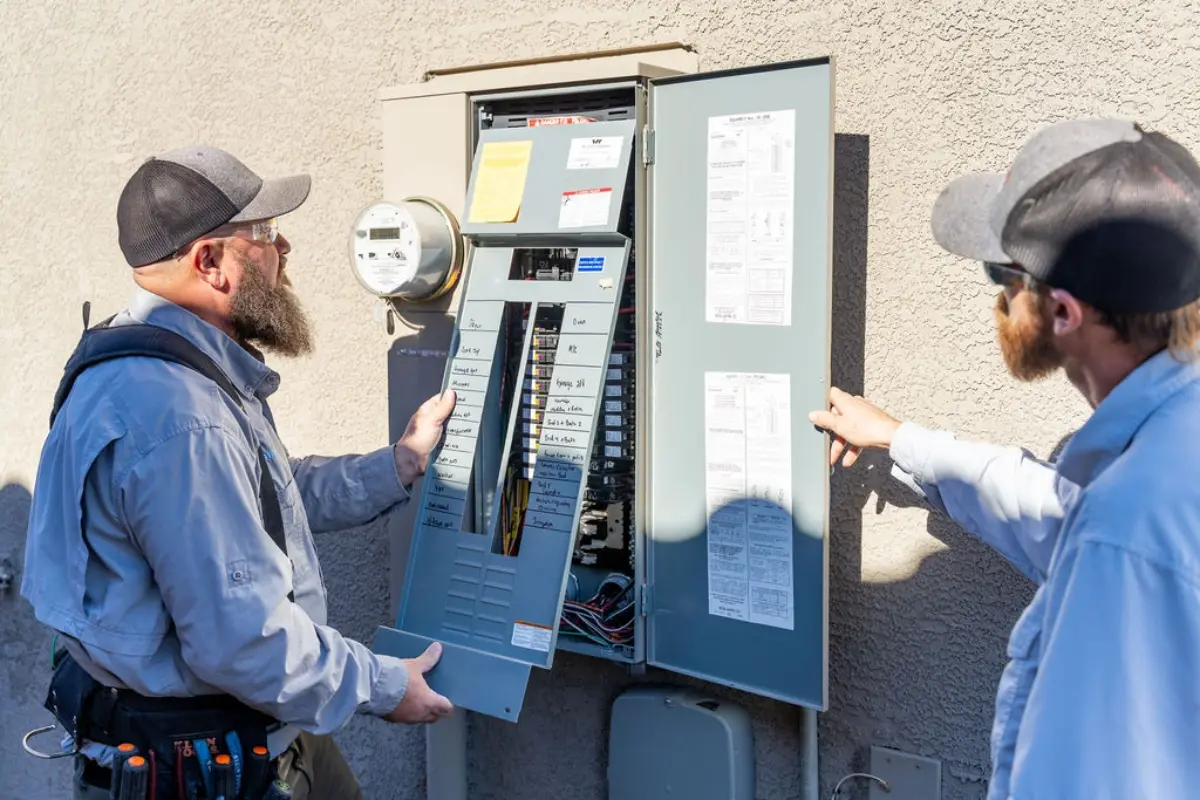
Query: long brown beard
point(1027, 345)
point(271, 319)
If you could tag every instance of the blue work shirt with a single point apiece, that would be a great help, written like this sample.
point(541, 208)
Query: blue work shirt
point(1101, 695)
point(147, 548)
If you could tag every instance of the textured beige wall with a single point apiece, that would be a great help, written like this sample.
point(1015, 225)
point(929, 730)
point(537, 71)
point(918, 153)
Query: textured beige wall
point(925, 91)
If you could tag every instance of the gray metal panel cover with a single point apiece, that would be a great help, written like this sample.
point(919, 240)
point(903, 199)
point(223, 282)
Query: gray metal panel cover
point(731, 646)
point(498, 614)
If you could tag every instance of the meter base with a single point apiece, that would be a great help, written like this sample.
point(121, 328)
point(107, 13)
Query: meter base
point(460, 674)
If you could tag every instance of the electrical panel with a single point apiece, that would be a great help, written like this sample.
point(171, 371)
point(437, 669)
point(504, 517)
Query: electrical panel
point(642, 331)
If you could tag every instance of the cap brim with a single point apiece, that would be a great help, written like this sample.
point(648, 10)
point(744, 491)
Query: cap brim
point(277, 197)
point(961, 218)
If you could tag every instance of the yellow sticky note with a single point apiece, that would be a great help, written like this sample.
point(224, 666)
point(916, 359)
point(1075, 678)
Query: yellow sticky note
point(500, 181)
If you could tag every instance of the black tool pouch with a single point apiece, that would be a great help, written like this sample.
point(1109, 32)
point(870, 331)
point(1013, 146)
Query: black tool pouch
point(90, 711)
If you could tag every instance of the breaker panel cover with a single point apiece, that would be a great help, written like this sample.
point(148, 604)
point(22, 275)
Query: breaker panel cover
point(497, 614)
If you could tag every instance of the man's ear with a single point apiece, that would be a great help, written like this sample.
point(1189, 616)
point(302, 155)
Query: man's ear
point(1066, 312)
point(206, 261)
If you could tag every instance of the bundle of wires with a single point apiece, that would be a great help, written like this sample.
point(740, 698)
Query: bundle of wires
point(606, 618)
point(513, 505)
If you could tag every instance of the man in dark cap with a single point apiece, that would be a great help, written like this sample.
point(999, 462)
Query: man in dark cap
point(171, 535)
point(1093, 236)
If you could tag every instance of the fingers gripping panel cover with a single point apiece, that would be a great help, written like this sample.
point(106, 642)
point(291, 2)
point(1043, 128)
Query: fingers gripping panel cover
point(462, 589)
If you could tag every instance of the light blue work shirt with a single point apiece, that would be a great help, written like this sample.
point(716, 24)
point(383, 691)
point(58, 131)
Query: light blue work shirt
point(147, 548)
point(1101, 695)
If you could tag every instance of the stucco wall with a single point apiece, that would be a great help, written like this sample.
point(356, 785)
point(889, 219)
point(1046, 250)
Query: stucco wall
point(925, 91)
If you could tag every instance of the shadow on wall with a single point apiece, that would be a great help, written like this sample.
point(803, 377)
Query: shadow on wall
point(24, 665)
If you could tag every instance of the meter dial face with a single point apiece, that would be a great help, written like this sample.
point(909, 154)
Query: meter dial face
point(386, 249)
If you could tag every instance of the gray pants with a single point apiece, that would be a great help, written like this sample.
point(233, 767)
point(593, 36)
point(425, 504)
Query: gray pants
point(313, 765)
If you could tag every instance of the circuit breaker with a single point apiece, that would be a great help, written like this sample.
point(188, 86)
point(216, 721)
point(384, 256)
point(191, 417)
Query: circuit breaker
point(640, 333)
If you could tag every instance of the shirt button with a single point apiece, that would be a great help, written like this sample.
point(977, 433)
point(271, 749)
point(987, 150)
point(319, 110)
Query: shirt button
point(238, 575)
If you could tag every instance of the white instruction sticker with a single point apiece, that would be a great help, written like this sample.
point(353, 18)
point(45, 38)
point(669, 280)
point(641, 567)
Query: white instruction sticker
point(751, 194)
point(531, 637)
point(595, 152)
point(748, 488)
point(584, 208)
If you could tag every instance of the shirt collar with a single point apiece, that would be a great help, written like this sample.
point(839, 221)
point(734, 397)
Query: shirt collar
point(1117, 419)
point(242, 366)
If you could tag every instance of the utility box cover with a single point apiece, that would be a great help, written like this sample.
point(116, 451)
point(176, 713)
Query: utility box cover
point(667, 743)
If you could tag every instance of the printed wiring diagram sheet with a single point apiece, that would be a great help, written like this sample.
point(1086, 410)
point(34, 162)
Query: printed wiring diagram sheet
point(751, 179)
point(748, 487)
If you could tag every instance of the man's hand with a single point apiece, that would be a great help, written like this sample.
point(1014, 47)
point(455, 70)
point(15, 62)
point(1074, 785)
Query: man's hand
point(423, 433)
point(420, 703)
point(855, 424)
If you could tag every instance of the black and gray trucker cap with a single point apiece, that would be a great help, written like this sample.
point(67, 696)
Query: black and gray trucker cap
point(179, 196)
point(1098, 207)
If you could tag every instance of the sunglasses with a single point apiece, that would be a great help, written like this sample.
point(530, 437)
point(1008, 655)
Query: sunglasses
point(1007, 276)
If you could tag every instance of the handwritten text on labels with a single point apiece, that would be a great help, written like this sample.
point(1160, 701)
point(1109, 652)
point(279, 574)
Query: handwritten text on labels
point(552, 454)
point(575, 381)
point(566, 489)
point(459, 444)
point(558, 470)
point(471, 369)
point(452, 474)
point(565, 438)
point(467, 430)
point(584, 406)
point(567, 422)
point(481, 316)
point(440, 488)
point(477, 346)
point(467, 413)
point(587, 318)
point(582, 350)
point(551, 505)
point(537, 520)
point(447, 505)
point(440, 521)
point(460, 383)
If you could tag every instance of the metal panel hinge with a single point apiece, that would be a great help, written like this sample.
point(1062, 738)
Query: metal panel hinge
point(645, 593)
point(647, 145)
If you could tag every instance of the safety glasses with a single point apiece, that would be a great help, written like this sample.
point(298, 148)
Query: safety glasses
point(266, 231)
point(1007, 275)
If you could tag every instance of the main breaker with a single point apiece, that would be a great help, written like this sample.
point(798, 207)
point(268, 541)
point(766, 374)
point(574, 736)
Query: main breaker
point(641, 329)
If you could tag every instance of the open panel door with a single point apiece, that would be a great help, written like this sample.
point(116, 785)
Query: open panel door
point(741, 248)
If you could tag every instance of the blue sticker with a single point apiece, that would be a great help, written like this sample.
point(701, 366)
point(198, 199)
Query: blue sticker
point(591, 264)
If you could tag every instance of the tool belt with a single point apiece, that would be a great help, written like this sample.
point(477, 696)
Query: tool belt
point(180, 748)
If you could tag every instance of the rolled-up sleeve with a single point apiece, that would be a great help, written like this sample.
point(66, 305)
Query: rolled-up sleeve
point(348, 491)
point(225, 585)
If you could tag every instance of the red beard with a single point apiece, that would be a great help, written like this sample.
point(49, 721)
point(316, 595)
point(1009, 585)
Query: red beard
point(1027, 344)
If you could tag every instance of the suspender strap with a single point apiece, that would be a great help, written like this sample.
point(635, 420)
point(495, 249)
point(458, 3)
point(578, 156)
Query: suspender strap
point(104, 343)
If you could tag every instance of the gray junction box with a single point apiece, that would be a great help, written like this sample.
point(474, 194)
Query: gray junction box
point(629, 472)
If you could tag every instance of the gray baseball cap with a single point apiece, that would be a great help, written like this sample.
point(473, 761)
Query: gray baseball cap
point(177, 197)
point(1098, 207)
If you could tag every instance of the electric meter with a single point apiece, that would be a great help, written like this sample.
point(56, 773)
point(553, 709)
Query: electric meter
point(409, 251)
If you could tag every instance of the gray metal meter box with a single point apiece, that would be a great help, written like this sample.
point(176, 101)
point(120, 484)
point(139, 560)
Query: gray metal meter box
point(644, 326)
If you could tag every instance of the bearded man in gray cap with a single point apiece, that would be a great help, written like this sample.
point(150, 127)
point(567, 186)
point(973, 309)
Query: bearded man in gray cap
point(1093, 236)
point(171, 536)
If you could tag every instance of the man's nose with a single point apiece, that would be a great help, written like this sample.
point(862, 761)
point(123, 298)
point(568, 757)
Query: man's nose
point(282, 244)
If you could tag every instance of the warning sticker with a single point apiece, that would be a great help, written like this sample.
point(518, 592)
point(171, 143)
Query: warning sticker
point(584, 208)
point(531, 637)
